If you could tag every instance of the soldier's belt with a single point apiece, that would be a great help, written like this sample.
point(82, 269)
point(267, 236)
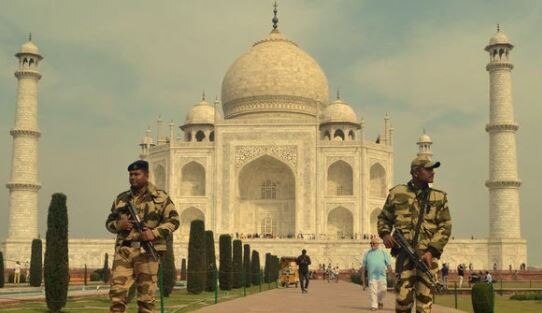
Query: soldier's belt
point(131, 243)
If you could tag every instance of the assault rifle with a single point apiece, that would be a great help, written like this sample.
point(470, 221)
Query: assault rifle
point(411, 254)
point(138, 225)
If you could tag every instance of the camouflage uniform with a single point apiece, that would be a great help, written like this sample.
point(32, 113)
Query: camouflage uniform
point(131, 264)
point(401, 211)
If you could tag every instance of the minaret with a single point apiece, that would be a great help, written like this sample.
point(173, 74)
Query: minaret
point(23, 184)
point(505, 246)
point(424, 146)
point(146, 144)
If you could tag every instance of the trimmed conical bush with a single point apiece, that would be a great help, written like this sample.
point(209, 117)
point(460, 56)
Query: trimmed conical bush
point(196, 272)
point(255, 268)
point(36, 265)
point(246, 265)
point(225, 273)
point(56, 269)
point(210, 260)
point(167, 262)
point(237, 263)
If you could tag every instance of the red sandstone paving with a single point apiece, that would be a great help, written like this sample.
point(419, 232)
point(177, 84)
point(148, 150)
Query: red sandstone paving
point(342, 297)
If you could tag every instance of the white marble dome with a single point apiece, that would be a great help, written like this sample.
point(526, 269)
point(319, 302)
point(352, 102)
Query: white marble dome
point(275, 75)
point(202, 113)
point(339, 112)
point(499, 38)
point(424, 138)
point(29, 47)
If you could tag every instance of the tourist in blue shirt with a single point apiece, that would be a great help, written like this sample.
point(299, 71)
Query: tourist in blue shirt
point(376, 261)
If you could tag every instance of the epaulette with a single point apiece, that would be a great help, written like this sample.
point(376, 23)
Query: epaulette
point(124, 194)
point(438, 190)
point(397, 187)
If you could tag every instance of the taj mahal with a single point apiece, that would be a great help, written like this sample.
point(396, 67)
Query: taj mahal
point(279, 163)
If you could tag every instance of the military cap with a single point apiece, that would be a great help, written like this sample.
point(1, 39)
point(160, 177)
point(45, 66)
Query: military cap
point(139, 165)
point(423, 161)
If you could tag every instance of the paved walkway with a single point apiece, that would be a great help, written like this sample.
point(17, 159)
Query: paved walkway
point(323, 297)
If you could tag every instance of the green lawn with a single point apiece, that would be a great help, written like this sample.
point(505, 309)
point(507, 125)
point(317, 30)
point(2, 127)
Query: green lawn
point(179, 301)
point(503, 304)
point(509, 284)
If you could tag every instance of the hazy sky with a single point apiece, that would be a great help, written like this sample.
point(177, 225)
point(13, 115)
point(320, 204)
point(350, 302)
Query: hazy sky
point(111, 68)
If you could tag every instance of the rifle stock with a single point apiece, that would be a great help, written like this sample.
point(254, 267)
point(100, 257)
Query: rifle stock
point(411, 254)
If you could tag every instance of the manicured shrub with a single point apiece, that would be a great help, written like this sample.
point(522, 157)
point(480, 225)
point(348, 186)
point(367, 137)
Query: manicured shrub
point(2, 269)
point(106, 273)
point(56, 269)
point(183, 269)
point(483, 298)
point(210, 261)
point(96, 275)
point(237, 263)
point(267, 268)
point(167, 264)
point(246, 265)
point(255, 268)
point(197, 272)
point(225, 273)
point(36, 266)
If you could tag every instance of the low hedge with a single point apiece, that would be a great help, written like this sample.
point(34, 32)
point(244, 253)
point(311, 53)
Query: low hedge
point(528, 296)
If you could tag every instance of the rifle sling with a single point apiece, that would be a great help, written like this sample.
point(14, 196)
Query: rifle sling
point(423, 208)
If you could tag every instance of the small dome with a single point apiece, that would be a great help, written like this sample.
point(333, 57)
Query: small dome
point(425, 138)
point(339, 112)
point(202, 113)
point(499, 39)
point(29, 47)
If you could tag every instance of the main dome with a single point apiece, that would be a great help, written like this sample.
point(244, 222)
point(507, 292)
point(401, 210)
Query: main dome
point(275, 75)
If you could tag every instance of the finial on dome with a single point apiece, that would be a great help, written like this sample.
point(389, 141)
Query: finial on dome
point(203, 95)
point(338, 94)
point(498, 27)
point(30, 36)
point(275, 18)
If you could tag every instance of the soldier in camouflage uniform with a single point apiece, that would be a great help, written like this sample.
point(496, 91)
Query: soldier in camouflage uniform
point(132, 264)
point(402, 211)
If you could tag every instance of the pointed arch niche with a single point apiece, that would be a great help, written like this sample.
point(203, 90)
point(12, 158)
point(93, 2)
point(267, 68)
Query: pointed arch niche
point(378, 181)
point(187, 216)
point(160, 177)
point(193, 179)
point(340, 223)
point(339, 179)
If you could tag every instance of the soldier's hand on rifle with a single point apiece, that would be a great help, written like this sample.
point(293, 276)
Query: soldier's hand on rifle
point(125, 224)
point(427, 257)
point(147, 234)
point(389, 242)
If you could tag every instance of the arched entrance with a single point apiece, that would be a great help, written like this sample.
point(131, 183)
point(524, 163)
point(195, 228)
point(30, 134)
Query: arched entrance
point(187, 216)
point(340, 223)
point(378, 181)
point(193, 180)
point(266, 202)
point(160, 177)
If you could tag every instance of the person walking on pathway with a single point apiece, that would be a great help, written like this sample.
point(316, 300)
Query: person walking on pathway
point(461, 274)
point(444, 272)
point(17, 273)
point(375, 263)
point(303, 261)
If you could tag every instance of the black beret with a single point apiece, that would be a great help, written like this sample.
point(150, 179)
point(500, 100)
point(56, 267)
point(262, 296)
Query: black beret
point(139, 165)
